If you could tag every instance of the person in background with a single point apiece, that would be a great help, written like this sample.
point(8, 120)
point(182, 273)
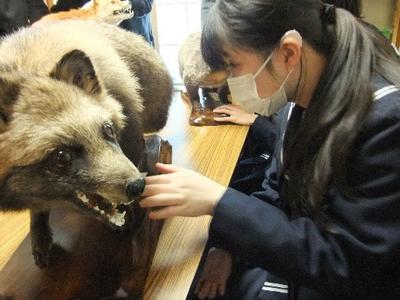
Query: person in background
point(65, 5)
point(140, 23)
point(329, 217)
point(15, 14)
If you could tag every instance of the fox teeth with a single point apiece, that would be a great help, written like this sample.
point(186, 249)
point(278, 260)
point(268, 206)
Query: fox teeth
point(129, 203)
point(118, 218)
point(82, 197)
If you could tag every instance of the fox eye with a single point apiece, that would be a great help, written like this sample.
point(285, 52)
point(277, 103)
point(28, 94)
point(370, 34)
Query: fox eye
point(108, 131)
point(62, 158)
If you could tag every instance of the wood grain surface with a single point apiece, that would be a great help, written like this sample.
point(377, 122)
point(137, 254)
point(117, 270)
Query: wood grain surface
point(13, 229)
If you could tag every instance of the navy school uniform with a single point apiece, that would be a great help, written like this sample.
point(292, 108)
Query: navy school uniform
point(256, 155)
point(247, 178)
point(359, 258)
point(140, 23)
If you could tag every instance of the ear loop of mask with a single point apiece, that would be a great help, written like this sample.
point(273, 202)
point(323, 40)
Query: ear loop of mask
point(299, 81)
point(294, 33)
point(265, 64)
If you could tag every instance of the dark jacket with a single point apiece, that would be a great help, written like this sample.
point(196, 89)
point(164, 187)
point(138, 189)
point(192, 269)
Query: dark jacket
point(359, 258)
point(140, 23)
point(65, 5)
point(255, 156)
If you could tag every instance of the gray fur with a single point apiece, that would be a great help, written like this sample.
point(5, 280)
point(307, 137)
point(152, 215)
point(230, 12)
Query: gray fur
point(61, 84)
point(194, 71)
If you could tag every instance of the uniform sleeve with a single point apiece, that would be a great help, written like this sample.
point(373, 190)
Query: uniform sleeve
point(357, 254)
point(270, 188)
point(264, 132)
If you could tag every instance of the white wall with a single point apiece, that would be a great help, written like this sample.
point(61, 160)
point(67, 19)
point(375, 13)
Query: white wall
point(176, 19)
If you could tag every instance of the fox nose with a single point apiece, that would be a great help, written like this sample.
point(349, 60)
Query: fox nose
point(135, 188)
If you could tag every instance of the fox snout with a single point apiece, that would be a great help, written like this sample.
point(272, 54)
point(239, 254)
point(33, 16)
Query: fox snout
point(135, 188)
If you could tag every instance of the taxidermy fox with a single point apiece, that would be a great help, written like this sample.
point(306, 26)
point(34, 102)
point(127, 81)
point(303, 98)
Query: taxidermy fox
point(109, 11)
point(75, 99)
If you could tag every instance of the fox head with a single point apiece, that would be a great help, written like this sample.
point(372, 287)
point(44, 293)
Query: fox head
point(112, 11)
point(60, 140)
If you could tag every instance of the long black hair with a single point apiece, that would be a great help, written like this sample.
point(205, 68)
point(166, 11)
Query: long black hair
point(355, 52)
point(353, 6)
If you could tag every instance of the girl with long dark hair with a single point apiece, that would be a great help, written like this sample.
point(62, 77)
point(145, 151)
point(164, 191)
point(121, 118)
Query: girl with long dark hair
point(328, 220)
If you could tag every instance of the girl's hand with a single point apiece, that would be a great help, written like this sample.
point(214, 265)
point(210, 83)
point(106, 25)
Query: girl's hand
point(216, 271)
point(236, 115)
point(180, 192)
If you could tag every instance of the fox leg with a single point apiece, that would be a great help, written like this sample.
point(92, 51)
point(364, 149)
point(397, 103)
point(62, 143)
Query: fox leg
point(223, 92)
point(41, 238)
point(144, 245)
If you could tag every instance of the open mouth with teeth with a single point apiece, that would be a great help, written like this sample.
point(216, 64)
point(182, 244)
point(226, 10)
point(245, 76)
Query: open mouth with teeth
point(126, 11)
point(114, 213)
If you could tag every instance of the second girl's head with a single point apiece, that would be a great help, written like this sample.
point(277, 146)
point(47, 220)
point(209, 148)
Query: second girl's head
point(242, 34)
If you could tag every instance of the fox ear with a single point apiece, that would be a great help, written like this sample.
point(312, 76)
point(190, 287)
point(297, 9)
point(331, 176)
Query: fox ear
point(76, 68)
point(9, 91)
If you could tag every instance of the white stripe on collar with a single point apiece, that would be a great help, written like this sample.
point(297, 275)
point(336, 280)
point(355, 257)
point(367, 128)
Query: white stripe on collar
point(278, 285)
point(379, 94)
point(292, 105)
point(271, 289)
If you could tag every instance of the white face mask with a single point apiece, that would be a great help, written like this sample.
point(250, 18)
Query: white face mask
point(244, 89)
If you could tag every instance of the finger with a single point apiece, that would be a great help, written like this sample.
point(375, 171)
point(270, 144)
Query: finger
point(160, 200)
point(156, 188)
point(165, 212)
point(222, 119)
point(232, 107)
point(222, 110)
point(204, 290)
point(198, 286)
point(221, 289)
point(157, 179)
point(213, 291)
point(225, 106)
point(167, 168)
